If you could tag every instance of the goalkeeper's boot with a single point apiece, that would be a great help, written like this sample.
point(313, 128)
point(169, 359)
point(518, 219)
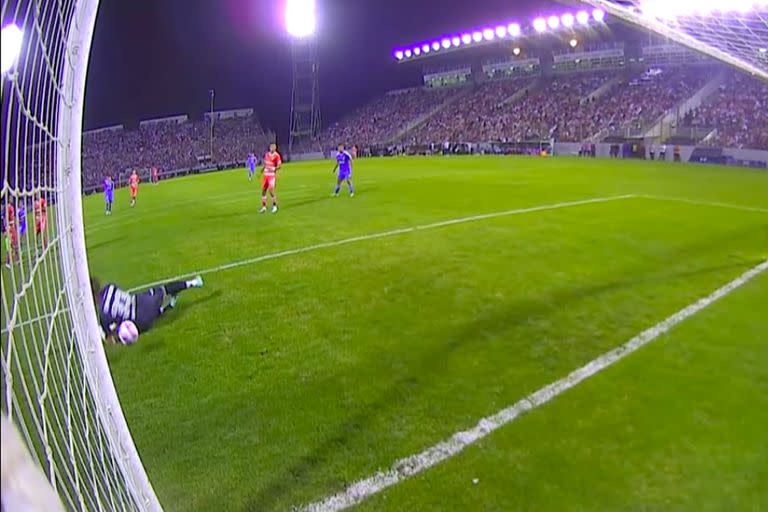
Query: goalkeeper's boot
point(197, 282)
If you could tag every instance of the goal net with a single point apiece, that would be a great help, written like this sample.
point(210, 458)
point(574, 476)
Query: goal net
point(56, 386)
point(734, 31)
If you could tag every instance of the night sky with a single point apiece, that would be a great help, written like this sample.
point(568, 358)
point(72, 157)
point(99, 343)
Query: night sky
point(153, 58)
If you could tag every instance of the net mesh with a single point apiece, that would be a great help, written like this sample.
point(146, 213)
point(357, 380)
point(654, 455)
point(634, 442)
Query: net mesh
point(735, 32)
point(56, 386)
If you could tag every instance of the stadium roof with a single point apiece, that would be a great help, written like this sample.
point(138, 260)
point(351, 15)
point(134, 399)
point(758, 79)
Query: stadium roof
point(735, 32)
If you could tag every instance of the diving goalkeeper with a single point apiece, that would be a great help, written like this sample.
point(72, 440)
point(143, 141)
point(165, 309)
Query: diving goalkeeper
point(116, 306)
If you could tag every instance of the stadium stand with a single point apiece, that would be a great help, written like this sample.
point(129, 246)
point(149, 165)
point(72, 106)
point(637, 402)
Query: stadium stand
point(736, 114)
point(562, 108)
point(380, 120)
point(641, 100)
point(480, 115)
point(169, 146)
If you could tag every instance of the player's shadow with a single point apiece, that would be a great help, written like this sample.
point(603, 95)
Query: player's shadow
point(289, 205)
point(227, 215)
point(185, 307)
point(99, 245)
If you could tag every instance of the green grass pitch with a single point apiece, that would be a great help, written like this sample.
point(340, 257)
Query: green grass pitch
point(286, 379)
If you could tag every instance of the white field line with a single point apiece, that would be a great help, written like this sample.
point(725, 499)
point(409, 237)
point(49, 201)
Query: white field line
point(410, 466)
point(704, 203)
point(384, 234)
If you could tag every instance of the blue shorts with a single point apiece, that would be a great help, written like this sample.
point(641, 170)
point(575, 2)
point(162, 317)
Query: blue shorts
point(251, 169)
point(22, 228)
point(345, 174)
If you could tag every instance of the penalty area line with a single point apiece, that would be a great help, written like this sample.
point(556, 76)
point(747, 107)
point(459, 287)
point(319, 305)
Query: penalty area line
point(704, 203)
point(415, 464)
point(385, 234)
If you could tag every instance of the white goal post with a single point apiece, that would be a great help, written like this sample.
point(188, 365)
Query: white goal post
point(57, 388)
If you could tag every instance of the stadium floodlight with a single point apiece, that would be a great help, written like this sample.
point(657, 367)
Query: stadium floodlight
point(516, 51)
point(493, 33)
point(425, 48)
point(408, 54)
point(300, 17)
point(10, 46)
point(399, 54)
point(732, 31)
point(573, 43)
point(598, 15)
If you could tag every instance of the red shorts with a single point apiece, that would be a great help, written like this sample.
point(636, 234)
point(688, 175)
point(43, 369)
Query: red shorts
point(40, 225)
point(134, 191)
point(268, 183)
point(13, 235)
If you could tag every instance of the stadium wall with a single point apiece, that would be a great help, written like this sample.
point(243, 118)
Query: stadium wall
point(603, 148)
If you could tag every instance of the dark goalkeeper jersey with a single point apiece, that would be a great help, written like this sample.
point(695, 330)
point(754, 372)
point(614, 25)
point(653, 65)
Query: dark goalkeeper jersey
point(115, 307)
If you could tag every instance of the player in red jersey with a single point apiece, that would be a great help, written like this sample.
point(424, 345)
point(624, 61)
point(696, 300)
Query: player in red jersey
point(41, 218)
point(11, 235)
point(272, 162)
point(133, 182)
point(155, 176)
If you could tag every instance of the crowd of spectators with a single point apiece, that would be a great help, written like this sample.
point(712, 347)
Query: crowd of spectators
point(169, 146)
point(562, 107)
point(738, 110)
point(640, 101)
point(382, 119)
point(471, 119)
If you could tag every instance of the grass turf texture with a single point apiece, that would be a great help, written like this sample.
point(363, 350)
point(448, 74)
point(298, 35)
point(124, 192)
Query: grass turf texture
point(282, 381)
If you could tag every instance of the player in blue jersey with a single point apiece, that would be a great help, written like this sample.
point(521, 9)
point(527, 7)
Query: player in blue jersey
point(109, 193)
point(22, 214)
point(115, 305)
point(344, 166)
point(251, 163)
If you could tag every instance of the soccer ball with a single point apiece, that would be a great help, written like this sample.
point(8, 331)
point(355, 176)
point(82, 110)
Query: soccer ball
point(128, 333)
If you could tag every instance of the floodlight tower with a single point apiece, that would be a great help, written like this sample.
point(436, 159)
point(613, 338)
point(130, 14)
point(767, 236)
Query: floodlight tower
point(305, 94)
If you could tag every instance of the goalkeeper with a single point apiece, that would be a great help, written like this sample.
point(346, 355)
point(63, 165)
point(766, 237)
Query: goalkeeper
point(116, 306)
